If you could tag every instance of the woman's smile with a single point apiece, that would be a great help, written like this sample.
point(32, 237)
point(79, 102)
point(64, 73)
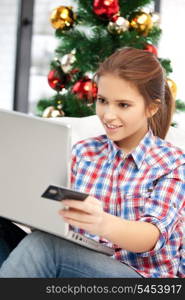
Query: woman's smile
point(112, 128)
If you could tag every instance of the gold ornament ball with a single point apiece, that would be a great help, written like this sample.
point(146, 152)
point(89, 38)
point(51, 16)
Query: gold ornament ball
point(51, 112)
point(173, 87)
point(119, 26)
point(142, 22)
point(57, 113)
point(62, 17)
point(47, 112)
point(66, 62)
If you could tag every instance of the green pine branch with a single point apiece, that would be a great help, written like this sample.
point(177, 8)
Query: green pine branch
point(154, 35)
point(103, 44)
point(180, 105)
point(166, 63)
point(128, 7)
point(71, 105)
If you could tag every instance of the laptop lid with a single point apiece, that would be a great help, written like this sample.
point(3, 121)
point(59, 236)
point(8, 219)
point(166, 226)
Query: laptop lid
point(34, 153)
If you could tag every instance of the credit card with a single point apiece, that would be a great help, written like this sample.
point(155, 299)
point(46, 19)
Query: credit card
point(60, 193)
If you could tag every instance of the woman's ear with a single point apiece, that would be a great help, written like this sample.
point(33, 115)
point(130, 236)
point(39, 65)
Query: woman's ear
point(153, 108)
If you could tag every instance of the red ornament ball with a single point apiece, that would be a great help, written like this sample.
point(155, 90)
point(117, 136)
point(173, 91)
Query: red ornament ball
point(85, 88)
point(151, 48)
point(106, 8)
point(57, 80)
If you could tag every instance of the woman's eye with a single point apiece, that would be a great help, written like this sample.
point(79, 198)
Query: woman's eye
point(123, 105)
point(100, 100)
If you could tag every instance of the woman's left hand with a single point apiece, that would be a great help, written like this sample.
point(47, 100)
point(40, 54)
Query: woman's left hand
point(87, 215)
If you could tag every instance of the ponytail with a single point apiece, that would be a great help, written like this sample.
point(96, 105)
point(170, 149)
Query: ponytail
point(161, 121)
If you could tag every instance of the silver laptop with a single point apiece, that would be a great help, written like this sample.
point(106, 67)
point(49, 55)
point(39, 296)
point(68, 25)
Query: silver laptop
point(35, 153)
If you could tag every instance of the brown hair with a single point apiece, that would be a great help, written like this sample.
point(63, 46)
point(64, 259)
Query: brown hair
point(145, 71)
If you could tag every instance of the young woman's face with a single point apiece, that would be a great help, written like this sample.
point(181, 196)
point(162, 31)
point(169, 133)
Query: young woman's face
point(121, 110)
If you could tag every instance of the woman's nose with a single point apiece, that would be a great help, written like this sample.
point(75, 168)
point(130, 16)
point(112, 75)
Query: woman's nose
point(109, 113)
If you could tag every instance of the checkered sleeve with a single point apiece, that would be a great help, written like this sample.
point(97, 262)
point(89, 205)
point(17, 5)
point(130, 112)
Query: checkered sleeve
point(73, 165)
point(76, 155)
point(166, 205)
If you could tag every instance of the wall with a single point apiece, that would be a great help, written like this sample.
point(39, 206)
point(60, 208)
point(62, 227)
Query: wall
point(172, 46)
point(8, 29)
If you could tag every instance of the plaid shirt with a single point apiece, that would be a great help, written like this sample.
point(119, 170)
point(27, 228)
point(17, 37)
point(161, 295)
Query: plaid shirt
point(147, 185)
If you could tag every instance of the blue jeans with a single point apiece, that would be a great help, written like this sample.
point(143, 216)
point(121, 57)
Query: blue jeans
point(46, 256)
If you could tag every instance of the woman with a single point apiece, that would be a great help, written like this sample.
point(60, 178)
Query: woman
point(136, 183)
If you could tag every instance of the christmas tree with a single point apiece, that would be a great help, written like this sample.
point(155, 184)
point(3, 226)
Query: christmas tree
point(86, 37)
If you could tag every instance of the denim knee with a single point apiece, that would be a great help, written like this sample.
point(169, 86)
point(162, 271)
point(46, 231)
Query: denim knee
point(33, 257)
